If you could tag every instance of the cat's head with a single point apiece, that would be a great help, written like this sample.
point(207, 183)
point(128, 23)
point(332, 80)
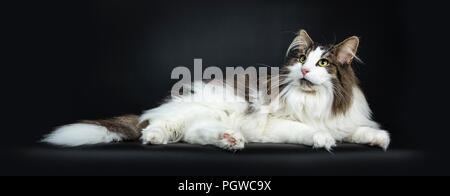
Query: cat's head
point(311, 66)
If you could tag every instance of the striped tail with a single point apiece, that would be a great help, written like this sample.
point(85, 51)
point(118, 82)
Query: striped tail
point(89, 132)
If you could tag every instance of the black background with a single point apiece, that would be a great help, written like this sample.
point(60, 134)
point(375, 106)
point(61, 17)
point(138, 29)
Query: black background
point(71, 60)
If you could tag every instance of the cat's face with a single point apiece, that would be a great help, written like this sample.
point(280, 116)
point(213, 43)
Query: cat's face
point(311, 65)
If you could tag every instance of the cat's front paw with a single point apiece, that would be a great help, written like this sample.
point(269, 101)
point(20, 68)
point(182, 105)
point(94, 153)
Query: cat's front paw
point(371, 136)
point(231, 140)
point(381, 139)
point(323, 140)
point(153, 137)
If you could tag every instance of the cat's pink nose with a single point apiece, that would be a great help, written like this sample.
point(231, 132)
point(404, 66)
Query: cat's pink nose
point(305, 71)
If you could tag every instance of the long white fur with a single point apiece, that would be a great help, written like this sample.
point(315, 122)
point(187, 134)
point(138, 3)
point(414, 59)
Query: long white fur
point(81, 134)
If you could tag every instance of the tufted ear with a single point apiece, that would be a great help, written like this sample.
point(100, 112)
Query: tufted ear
point(302, 41)
point(347, 49)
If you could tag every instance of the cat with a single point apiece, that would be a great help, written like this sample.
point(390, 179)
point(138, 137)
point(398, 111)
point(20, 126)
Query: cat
point(319, 104)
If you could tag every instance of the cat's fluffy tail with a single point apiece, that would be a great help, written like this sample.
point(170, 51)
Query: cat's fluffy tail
point(97, 131)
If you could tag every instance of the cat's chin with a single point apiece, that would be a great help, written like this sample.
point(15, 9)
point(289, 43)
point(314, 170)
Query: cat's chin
point(307, 86)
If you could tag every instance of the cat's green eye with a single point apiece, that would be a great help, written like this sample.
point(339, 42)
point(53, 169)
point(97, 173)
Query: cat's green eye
point(323, 63)
point(302, 59)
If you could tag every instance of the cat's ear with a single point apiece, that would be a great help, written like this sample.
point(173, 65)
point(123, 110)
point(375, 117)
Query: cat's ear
point(302, 41)
point(346, 50)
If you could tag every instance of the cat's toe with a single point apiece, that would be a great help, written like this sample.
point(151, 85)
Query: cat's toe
point(231, 140)
point(153, 137)
point(381, 139)
point(323, 140)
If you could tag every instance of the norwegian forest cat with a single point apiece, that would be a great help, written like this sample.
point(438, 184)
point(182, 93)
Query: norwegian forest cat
point(319, 104)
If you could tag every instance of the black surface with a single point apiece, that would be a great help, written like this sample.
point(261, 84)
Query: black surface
point(195, 160)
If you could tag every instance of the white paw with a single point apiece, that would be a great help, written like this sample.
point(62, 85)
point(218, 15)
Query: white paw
point(231, 140)
point(323, 140)
point(154, 137)
point(380, 138)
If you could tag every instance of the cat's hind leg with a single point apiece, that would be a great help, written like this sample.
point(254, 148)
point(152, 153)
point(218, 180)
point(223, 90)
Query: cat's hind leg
point(162, 132)
point(213, 132)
